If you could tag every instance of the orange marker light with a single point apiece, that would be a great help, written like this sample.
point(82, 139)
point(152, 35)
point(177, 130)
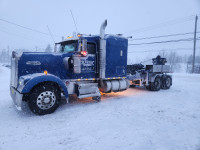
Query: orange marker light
point(69, 37)
point(45, 72)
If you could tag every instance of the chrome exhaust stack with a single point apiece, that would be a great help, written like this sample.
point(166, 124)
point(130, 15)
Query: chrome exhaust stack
point(102, 29)
point(102, 53)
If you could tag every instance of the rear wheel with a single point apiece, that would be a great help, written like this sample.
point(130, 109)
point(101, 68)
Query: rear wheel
point(156, 85)
point(162, 82)
point(44, 99)
point(166, 82)
point(148, 87)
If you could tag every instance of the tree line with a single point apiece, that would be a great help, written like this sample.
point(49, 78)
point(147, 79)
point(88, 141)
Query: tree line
point(174, 60)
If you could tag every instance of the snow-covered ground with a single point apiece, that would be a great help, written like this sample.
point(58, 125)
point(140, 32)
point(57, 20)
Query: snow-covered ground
point(135, 119)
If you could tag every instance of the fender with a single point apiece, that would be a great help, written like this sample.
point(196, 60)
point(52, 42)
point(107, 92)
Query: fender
point(153, 76)
point(32, 80)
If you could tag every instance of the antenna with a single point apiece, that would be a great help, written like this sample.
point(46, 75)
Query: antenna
point(51, 34)
point(74, 21)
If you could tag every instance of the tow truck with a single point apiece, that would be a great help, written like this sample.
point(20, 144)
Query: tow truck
point(84, 65)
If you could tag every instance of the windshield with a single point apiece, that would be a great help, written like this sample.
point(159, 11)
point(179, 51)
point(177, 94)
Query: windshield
point(69, 46)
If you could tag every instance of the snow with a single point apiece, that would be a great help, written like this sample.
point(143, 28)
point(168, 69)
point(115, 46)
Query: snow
point(135, 119)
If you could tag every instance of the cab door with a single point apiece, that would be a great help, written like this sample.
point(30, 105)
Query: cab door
point(88, 62)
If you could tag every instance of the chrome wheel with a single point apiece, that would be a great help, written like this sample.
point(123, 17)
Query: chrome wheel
point(46, 100)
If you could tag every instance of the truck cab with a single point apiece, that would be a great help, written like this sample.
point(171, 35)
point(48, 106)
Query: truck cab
point(82, 65)
point(82, 51)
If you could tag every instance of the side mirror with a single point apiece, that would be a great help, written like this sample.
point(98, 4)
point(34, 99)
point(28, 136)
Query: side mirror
point(83, 50)
point(84, 45)
point(76, 63)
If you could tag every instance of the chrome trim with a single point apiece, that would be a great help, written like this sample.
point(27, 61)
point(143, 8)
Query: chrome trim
point(17, 98)
point(102, 51)
point(34, 63)
point(46, 100)
point(77, 63)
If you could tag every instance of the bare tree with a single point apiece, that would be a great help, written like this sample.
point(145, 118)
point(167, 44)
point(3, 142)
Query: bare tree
point(172, 60)
point(163, 54)
point(48, 48)
point(4, 56)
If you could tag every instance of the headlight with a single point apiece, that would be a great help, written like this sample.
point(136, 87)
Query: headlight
point(21, 81)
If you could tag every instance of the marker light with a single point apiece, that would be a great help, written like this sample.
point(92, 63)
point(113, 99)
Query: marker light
point(79, 35)
point(45, 72)
point(84, 53)
point(69, 37)
point(21, 81)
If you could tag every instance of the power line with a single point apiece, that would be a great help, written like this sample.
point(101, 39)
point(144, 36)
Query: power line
point(171, 22)
point(21, 36)
point(162, 36)
point(160, 42)
point(160, 50)
point(51, 34)
point(168, 23)
point(9, 22)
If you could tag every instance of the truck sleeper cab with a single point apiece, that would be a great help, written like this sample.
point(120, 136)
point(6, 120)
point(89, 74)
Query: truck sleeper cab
point(83, 65)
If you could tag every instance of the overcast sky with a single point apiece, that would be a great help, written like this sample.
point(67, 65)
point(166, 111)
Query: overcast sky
point(130, 17)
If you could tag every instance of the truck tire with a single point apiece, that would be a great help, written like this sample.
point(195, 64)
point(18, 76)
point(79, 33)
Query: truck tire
point(132, 86)
point(162, 81)
point(166, 82)
point(44, 99)
point(156, 85)
point(148, 87)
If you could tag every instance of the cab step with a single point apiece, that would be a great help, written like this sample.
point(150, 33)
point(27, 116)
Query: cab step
point(87, 90)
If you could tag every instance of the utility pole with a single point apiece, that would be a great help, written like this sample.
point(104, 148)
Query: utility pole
point(195, 32)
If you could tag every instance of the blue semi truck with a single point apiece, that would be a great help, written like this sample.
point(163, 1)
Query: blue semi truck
point(82, 65)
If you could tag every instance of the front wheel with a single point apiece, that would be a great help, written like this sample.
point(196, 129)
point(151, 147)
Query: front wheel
point(44, 99)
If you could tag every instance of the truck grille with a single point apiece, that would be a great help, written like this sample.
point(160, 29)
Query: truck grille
point(14, 71)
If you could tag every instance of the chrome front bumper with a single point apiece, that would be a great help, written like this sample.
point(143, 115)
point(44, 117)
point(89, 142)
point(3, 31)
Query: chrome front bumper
point(17, 98)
